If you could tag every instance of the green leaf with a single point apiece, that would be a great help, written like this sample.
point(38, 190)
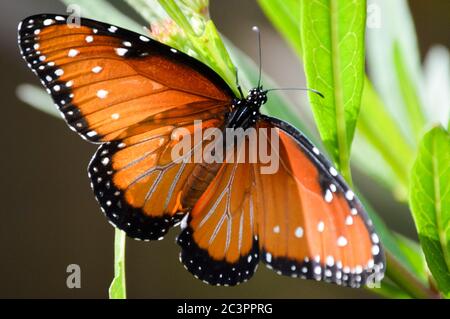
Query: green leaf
point(437, 84)
point(285, 16)
point(413, 253)
point(117, 290)
point(396, 26)
point(102, 10)
point(409, 94)
point(381, 132)
point(38, 98)
point(332, 33)
point(430, 203)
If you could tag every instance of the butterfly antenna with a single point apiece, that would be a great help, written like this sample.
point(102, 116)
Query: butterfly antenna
point(297, 89)
point(258, 33)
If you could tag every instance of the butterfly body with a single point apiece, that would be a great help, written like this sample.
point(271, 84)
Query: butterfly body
point(246, 111)
point(139, 99)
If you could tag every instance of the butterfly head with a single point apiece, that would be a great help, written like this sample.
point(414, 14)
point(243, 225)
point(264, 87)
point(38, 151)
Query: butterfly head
point(256, 97)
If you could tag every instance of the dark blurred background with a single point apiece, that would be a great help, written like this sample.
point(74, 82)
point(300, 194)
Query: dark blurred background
point(50, 219)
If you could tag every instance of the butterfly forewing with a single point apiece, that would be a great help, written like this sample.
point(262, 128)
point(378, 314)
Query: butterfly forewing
point(105, 79)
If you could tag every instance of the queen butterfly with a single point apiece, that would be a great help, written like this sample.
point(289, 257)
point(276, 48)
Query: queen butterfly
point(131, 95)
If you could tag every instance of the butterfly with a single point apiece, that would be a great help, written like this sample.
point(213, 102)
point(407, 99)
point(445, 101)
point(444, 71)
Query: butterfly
point(133, 95)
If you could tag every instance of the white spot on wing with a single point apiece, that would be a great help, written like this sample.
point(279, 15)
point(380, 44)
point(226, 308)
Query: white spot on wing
point(375, 250)
point(330, 261)
point(320, 226)
point(102, 93)
point(145, 39)
point(349, 220)
point(89, 38)
point(342, 241)
point(333, 188)
point(121, 51)
point(299, 232)
point(375, 238)
point(328, 196)
point(349, 195)
point(73, 53)
point(317, 270)
point(316, 150)
point(333, 171)
point(48, 22)
point(276, 229)
point(184, 222)
point(91, 133)
point(97, 69)
point(112, 29)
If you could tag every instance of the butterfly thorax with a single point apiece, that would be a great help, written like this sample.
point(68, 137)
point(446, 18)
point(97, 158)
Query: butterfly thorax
point(245, 111)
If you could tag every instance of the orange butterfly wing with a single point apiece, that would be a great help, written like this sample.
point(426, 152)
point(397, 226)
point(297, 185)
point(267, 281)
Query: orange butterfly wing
point(311, 224)
point(115, 86)
point(305, 221)
point(219, 244)
point(139, 184)
point(105, 79)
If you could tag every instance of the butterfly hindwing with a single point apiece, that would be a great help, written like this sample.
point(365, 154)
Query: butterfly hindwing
point(313, 225)
point(219, 244)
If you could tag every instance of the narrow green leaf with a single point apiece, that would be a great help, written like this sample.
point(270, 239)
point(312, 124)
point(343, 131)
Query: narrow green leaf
point(102, 10)
point(437, 84)
point(409, 94)
point(117, 290)
point(430, 203)
point(394, 24)
point(377, 127)
point(37, 98)
point(332, 33)
point(414, 254)
point(285, 16)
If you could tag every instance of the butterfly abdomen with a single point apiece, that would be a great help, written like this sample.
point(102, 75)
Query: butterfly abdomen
point(201, 177)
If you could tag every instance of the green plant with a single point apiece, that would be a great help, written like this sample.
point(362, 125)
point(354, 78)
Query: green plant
point(387, 135)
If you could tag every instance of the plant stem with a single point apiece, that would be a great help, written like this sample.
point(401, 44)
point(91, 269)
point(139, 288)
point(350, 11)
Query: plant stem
point(404, 279)
point(117, 290)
